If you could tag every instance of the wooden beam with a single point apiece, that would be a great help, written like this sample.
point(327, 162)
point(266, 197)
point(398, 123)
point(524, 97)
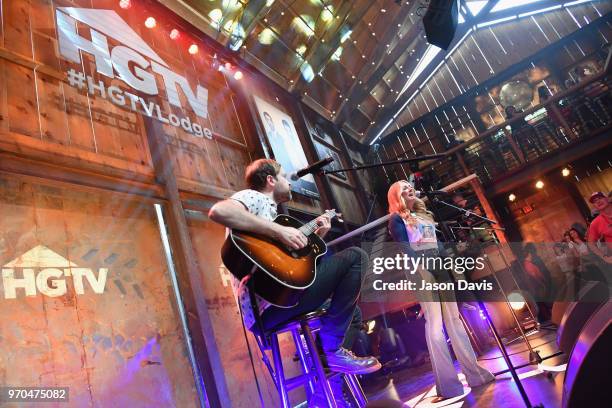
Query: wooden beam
point(383, 116)
point(77, 177)
point(188, 273)
point(69, 156)
point(31, 64)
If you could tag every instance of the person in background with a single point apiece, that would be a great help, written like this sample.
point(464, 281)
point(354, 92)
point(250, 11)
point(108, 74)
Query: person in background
point(566, 262)
point(409, 218)
point(588, 262)
point(524, 133)
point(599, 235)
point(539, 280)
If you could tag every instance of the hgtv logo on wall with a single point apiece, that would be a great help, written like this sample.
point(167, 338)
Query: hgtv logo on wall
point(40, 270)
point(134, 62)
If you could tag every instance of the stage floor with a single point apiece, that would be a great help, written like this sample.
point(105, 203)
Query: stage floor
point(415, 386)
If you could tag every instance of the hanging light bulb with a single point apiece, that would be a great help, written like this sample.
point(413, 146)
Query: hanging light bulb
point(150, 22)
point(174, 34)
point(125, 4)
point(193, 49)
point(238, 75)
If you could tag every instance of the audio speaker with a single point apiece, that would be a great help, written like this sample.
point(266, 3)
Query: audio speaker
point(590, 298)
point(587, 379)
point(440, 22)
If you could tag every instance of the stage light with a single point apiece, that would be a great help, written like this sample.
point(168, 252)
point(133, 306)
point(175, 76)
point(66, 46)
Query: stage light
point(125, 4)
point(266, 36)
point(215, 16)
point(516, 300)
point(150, 22)
point(193, 49)
point(565, 172)
point(511, 197)
point(371, 325)
point(305, 24)
point(336, 55)
point(174, 34)
point(327, 14)
point(539, 184)
point(238, 75)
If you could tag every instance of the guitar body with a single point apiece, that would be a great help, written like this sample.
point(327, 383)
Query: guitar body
point(281, 274)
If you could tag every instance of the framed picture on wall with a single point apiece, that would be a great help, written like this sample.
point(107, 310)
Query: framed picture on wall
point(324, 151)
point(285, 144)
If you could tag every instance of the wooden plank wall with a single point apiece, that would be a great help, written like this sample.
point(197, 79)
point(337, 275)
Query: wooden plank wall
point(53, 134)
point(119, 345)
point(491, 50)
point(430, 118)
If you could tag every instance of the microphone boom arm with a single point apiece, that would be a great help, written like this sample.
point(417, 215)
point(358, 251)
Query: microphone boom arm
point(387, 163)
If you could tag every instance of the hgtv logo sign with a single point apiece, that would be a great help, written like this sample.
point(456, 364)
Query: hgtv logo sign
point(134, 62)
point(42, 270)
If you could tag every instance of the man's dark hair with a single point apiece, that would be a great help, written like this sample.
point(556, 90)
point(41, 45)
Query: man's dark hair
point(256, 173)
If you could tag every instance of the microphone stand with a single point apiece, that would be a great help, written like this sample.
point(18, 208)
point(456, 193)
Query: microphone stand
point(498, 339)
point(533, 355)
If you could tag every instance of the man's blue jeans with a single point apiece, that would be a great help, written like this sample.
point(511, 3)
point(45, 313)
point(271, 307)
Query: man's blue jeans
point(339, 276)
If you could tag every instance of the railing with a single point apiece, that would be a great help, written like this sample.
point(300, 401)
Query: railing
point(566, 118)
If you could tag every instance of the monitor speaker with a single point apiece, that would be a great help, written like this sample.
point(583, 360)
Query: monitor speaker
point(587, 379)
point(440, 22)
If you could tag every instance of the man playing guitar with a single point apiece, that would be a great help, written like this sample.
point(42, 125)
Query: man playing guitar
point(338, 276)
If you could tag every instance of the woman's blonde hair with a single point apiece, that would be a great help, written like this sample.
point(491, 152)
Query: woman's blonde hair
point(398, 205)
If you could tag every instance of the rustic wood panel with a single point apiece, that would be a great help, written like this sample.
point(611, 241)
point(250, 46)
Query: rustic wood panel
point(16, 26)
point(207, 238)
point(120, 347)
point(52, 110)
point(21, 98)
point(4, 123)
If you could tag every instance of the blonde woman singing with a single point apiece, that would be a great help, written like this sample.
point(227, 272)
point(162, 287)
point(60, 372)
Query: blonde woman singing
point(411, 223)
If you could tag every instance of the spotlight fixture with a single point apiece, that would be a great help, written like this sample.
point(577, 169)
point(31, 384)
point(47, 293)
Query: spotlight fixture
point(565, 172)
point(516, 300)
point(125, 4)
point(512, 197)
point(150, 22)
point(371, 325)
point(539, 184)
point(193, 49)
point(238, 75)
point(174, 34)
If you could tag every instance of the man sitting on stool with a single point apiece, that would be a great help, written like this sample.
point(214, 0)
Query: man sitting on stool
point(338, 276)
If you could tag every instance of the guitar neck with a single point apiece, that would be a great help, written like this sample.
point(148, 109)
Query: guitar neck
point(308, 228)
point(311, 226)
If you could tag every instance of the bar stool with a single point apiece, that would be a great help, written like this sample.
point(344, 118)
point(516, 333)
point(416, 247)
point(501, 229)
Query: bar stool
point(313, 373)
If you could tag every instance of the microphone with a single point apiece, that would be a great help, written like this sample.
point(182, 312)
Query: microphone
point(432, 193)
point(312, 169)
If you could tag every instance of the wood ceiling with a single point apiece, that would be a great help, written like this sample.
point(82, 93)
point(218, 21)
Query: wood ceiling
point(349, 60)
point(346, 59)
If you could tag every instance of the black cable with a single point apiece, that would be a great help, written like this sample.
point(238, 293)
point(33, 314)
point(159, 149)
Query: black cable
point(515, 353)
point(246, 338)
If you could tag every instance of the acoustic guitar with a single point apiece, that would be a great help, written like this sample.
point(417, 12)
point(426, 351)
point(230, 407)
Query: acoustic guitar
point(280, 274)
